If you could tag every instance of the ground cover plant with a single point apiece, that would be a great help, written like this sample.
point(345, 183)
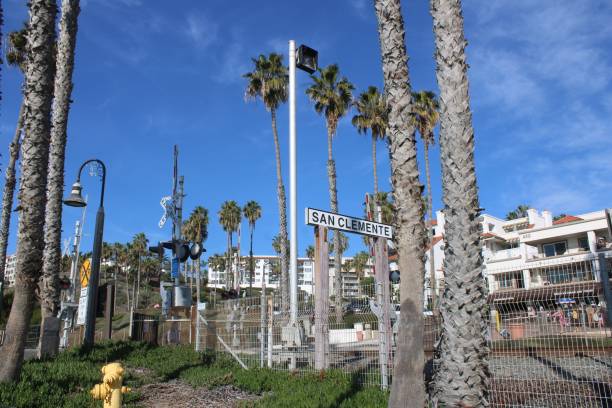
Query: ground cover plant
point(65, 381)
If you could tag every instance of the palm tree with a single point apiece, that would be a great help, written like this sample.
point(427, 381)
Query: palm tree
point(332, 98)
point(50, 292)
point(138, 249)
point(373, 116)
point(424, 117)
point(196, 230)
point(360, 263)
point(15, 56)
point(310, 252)
point(269, 81)
point(462, 376)
point(252, 212)
point(410, 227)
point(519, 212)
point(33, 182)
point(230, 216)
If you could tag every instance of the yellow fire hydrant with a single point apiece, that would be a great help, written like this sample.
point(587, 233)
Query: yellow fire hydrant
point(110, 390)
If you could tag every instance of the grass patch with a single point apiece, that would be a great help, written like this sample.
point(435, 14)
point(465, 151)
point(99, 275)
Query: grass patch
point(66, 380)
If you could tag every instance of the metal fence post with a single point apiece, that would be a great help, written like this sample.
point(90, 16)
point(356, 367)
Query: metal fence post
point(270, 325)
point(605, 284)
point(262, 326)
point(382, 338)
point(197, 342)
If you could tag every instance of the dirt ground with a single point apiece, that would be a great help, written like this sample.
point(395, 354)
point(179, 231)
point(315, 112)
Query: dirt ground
point(175, 394)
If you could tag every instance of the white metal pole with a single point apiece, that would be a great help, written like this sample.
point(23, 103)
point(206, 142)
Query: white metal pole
point(292, 185)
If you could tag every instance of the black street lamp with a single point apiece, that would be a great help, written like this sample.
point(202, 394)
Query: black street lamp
point(76, 200)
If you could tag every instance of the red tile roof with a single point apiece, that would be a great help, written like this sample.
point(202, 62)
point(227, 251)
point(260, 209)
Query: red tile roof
point(566, 219)
point(433, 222)
point(434, 241)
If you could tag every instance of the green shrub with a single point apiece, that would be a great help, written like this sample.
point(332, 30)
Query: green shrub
point(66, 380)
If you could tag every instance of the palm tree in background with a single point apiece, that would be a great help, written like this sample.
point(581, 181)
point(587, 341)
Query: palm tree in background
point(16, 57)
point(268, 81)
point(424, 117)
point(332, 97)
point(138, 250)
point(373, 116)
point(310, 252)
point(252, 212)
point(33, 182)
point(519, 212)
point(49, 285)
point(410, 237)
point(196, 230)
point(230, 216)
point(462, 375)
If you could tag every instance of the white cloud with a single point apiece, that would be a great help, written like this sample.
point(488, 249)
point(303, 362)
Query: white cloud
point(201, 30)
point(540, 79)
point(360, 7)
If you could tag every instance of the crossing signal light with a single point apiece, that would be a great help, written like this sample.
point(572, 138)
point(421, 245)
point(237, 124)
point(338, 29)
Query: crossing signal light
point(196, 250)
point(159, 249)
point(394, 276)
point(64, 283)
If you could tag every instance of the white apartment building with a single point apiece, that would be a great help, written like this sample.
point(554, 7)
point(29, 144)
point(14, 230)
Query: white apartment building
point(267, 268)
point(9, 271)
point(537, 256)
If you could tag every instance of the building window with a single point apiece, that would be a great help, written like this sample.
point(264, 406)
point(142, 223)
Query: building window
point(583, 243)
point(555, 248)
point(491, 226)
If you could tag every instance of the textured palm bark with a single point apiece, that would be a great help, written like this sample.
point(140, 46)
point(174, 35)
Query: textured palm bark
point(10, 180)
point(282, 215)
point(462, 378)
point(49, 285)
point(408, 388)
point(432, 266)
point(333, 198)
point(35, 159)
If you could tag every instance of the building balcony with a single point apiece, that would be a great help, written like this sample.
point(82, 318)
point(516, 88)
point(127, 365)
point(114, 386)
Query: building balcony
point(503, 255)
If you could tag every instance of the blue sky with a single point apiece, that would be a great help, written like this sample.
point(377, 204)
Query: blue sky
point(152, 73)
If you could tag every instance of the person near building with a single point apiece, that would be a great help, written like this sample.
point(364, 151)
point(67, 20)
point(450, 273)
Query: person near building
point(590, 312)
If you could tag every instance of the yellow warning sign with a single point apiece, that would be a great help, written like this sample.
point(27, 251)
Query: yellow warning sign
point(85, 271)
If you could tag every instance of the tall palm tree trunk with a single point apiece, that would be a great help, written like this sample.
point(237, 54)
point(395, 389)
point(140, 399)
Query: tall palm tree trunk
point(374, 166)
point(137, 293)
point(127, 289)
point(432, 266)
point(462, 378)
point(10, 180)
point(251, 266)
point(408, 385)
point(229, 275)
point(282, 215)
point(52, 256)
point(333, 197)
point(35, 159)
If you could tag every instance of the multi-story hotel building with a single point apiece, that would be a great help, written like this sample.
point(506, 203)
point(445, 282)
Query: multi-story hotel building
point(9, 271)
point(267, 268)
point(534, 257)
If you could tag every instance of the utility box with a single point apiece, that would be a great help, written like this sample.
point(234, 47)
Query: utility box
point(182, 296)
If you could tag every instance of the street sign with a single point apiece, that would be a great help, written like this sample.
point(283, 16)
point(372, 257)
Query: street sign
point(175, 268)
point(347, 223)
point(84, 273)
point(82, 311)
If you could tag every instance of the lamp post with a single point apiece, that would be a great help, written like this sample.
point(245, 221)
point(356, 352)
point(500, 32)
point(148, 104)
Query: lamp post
point(76, 200)
point(306, 59)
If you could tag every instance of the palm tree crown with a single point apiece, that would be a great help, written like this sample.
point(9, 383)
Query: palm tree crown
point(331, 95)
point(252, 212)
point(372, 113)
point(268, 81)
point(424, 115)
point(230, 216)
point(196, 227)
